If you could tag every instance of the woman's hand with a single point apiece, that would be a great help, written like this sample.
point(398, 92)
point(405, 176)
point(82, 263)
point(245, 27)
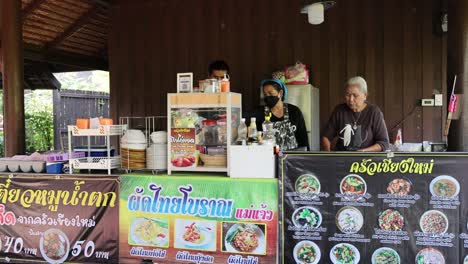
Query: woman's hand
point(326, 145)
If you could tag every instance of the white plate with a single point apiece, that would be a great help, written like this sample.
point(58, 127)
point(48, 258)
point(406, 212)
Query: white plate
point(353, 248)
point(139, 240)
point(316, 248)
point(63, 239)
point(298, 210)
point(446, 177)
point(384, 248)
point(261, 249)
point(465, 261)
point(357, 176)
point(437, 212)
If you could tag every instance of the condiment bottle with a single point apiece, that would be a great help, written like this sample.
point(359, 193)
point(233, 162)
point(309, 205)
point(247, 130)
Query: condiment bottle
point(242, 131)
point(225, 85)
point(253, 130)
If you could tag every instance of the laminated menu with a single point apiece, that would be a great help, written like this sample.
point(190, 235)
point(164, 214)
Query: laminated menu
point(345, 208)
point(183, 148)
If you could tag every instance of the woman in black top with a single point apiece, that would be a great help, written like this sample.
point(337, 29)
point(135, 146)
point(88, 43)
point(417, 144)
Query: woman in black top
point(287, 118)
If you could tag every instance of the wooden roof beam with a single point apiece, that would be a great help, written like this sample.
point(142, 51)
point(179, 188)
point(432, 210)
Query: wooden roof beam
point(30, 8)
point(84, 62)
point(79, 23)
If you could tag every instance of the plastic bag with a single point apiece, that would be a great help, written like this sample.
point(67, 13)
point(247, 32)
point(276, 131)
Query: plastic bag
point(297, 74)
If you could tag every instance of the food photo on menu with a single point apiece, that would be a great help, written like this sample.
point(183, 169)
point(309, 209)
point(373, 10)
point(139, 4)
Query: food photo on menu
point(344, 253)
point(353, 184)
point(434, 222)
point(244, 238)
point(147, 231)
point(307, 252)
point(349, 220)
point(399, 187)
point(385, 255)
point(429, 256)
point(307, 184)
point(391, 220)
point(307, 217)
point(54, 246)
point(444, 186)
point(195, 234)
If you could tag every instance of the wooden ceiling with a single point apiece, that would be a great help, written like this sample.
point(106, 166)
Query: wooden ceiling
point(66, 32)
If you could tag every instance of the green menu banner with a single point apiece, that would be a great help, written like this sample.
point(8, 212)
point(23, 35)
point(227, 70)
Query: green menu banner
point(198, 219)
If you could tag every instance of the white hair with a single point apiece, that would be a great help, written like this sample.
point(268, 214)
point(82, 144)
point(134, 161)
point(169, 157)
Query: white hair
point(358, 81)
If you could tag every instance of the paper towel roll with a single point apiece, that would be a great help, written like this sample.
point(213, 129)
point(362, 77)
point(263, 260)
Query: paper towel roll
point(315, 13)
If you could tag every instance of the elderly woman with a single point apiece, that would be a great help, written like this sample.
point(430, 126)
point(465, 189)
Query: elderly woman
point(359, 125)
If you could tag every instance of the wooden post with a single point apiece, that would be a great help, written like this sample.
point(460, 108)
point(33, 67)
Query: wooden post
point(13, 91)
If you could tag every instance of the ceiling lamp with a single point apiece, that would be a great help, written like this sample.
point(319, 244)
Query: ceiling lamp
point(315, 11)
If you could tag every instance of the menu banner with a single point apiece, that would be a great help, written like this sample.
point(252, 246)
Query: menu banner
point(58, 219)
point(183, 148)
point(198, 219)
point(370, 208)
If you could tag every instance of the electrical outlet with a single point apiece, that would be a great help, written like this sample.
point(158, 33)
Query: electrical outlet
point(427, 102)
point(438, 100)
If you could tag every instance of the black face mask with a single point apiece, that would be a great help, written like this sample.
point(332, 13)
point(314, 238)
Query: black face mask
point(271, 100)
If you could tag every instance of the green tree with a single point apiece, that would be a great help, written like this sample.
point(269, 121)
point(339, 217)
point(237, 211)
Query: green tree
point(39, 120)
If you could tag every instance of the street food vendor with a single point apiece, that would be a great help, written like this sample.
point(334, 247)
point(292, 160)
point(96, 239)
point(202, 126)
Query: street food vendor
point(218, 69)
point(287, 118)
point(357, 124)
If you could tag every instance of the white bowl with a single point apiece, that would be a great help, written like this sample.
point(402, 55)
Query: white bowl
point(133, 136)
point(159, 137)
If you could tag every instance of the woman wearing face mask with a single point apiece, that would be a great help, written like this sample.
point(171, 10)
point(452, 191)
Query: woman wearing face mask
point(287, 118)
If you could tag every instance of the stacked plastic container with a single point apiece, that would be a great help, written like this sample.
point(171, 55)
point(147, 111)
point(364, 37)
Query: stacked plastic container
point(156, 153)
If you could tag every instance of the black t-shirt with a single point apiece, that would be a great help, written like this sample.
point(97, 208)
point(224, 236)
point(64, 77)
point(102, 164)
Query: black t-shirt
point(296, 118)
point(357, 130)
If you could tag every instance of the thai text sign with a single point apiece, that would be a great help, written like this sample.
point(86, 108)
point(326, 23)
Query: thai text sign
point(59, 219)
point(188, 219)
point(370, 208)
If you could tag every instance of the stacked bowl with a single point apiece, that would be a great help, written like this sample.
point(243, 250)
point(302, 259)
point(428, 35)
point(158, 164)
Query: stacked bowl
point(156, 153)
point(133, 146)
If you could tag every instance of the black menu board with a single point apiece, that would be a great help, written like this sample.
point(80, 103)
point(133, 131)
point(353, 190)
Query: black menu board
point(373, 208)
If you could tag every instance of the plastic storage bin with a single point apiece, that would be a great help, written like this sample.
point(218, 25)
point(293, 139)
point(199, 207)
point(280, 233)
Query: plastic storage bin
point(96, 151)
point(54, 168)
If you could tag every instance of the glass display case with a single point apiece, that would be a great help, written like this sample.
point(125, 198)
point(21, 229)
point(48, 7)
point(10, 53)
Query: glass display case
point(201, 129)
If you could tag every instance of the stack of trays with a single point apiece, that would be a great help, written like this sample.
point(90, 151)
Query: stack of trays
point(133, 146)
point(156, 153)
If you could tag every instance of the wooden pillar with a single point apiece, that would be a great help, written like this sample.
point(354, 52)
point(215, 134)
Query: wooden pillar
point(12, 70)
